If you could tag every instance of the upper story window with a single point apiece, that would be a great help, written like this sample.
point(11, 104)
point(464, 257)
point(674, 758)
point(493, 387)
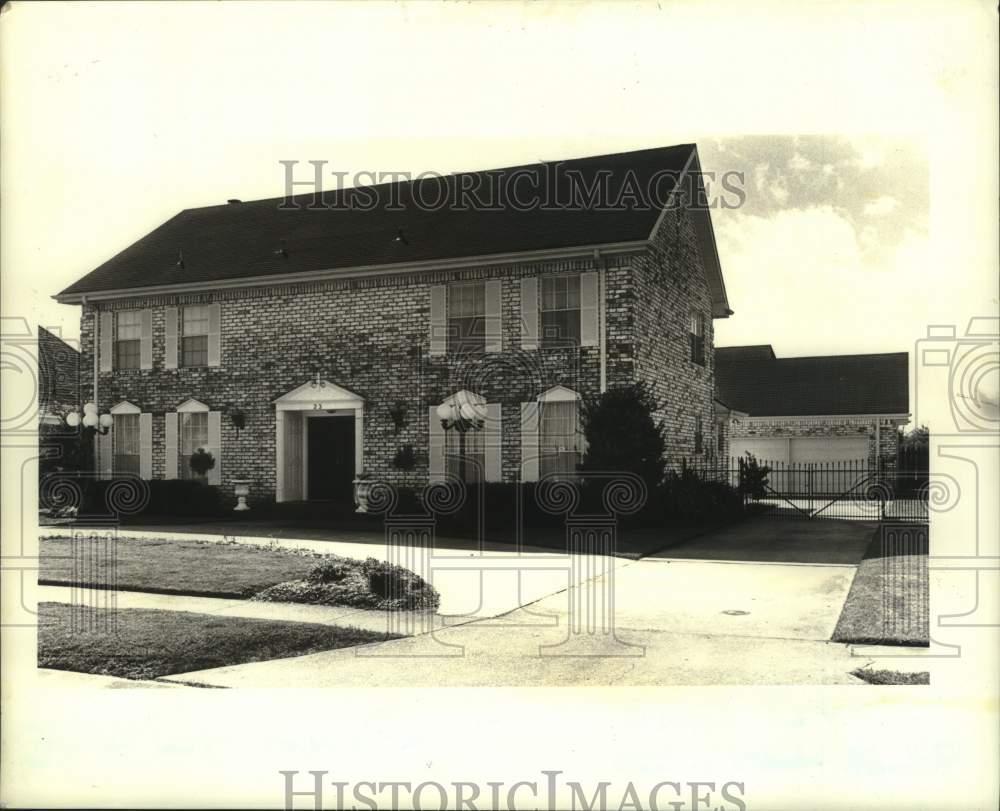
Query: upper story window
point(194, 336)
point(467, 317)
point(560, 308)
point(697, 337)
point(128, 342)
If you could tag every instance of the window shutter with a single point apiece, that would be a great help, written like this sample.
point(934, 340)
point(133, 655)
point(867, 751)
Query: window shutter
point(435, 447)
point(215, 445)
point(589, 328)
point(170, 337)
point(529, 313)
point(146, 446)
point(494, 316)
point(170, 444)
point(105, 455)
point(146, 343)
point(214, 336)
point(107, 327)
point(494, 443)
point(529, 442)
point(439, 319)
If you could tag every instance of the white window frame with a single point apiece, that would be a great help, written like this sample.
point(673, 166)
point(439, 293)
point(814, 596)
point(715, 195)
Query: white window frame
point(558, 396)
point(126, 410)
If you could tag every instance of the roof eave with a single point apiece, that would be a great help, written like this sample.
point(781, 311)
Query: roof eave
point(633, 246)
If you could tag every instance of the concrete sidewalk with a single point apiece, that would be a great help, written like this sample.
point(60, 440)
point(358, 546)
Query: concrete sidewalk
point(501, 653)
point(67, 679)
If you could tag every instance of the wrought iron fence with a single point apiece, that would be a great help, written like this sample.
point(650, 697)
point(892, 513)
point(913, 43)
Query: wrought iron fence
point(856, 489)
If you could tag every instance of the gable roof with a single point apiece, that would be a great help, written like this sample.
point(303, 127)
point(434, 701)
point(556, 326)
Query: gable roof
point(387, 228)
point(813, 386)
point(58, 370)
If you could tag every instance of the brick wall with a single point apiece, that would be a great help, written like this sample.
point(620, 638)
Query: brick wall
point(370, 336)
point(670, 283)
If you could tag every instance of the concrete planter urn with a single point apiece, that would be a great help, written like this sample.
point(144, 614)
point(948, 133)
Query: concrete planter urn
point(362, 490)
point(241, 488)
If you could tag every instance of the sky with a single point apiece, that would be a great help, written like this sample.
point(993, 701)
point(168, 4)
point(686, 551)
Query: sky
point(119, 116)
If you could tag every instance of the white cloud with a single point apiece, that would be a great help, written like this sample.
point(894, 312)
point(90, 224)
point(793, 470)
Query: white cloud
point(881, 207)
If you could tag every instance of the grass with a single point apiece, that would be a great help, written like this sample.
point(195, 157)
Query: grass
point(196, 567)
point(888, 600)
point(220, 569)
point(146, 644)
point(892, 677)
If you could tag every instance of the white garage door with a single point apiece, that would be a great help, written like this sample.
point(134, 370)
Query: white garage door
point(829, 449)
point(803, 449)
point(763, 448)
point(809, 465)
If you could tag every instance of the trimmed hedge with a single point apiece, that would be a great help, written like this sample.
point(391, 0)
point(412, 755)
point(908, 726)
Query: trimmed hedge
point(683, 497)
point(124, 497)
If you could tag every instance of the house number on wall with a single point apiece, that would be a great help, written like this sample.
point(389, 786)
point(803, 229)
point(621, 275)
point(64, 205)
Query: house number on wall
point(317, 406)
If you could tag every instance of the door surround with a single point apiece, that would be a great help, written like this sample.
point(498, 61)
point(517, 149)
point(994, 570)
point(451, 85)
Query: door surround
point(317, 398)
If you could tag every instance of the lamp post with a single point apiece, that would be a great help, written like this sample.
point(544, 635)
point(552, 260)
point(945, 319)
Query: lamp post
point(462, 415)
point(90, 420)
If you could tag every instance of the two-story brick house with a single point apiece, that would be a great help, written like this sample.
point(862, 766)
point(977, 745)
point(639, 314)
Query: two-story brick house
point(303, 343)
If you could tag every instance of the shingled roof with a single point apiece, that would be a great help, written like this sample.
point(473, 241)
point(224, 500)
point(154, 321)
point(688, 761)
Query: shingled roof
point(826, 385)
point(262, 239)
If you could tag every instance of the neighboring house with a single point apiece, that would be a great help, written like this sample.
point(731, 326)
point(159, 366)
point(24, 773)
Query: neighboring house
point(827, 409)
point(302, 347)
point(58, 378)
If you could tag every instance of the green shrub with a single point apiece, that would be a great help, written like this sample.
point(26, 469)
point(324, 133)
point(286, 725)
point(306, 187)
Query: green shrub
point(622, 434)
point(688, 496)
point(333, 571)
point(201, 462)
point(753, 476)
point(386, 580)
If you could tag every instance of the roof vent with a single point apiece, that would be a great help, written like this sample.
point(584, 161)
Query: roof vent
point(233, 200)
point(400, 237)
point(180, 260)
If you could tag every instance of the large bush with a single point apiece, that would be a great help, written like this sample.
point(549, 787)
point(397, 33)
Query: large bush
point(622, 435)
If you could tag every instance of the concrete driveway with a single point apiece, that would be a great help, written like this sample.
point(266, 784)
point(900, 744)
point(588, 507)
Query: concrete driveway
point(780, 540)
point(676, 621)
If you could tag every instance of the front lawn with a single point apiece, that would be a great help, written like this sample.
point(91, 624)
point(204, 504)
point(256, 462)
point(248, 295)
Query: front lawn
point(203, 568)
point(146, 644)
point(888, 600)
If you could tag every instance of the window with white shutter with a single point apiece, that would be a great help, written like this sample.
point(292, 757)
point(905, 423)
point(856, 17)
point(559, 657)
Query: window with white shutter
point(194, 336)
point(128, 339)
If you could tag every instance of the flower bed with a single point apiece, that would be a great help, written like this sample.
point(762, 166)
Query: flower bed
point(367, 584)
